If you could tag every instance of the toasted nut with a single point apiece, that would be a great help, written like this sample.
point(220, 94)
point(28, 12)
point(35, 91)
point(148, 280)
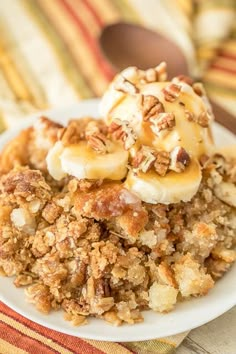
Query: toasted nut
point(183, 78)
point(98, 143)
point(144, 159)
point(156, 74)
point(150, 106)
point(203, 160)
point(171, 92)
point(162, 122)
point(121, 130)
point(199, 89)
point(125, 86)
point(189, 115)
point(179, 159)
point(203, 119)
point(162, 162)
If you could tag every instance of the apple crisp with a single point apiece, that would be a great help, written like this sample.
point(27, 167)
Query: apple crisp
point(93, 248)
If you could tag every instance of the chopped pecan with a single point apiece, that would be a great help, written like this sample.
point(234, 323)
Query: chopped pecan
point(203, 119)
point(98, 142)
point(144, 159)
point(162, 162)
point(183, 78)
point(125, 86)
point(199, 89)
point(203, 160)
point(189, 115)
point(171, 92)
point(156, 74)
point(92, 129)
point(179, 159)
point(121, 130)
point(150, 106)
point(164, 121)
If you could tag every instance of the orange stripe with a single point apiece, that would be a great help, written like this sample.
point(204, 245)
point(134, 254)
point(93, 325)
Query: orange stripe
point(91, 42)
point(86, 17)
point(6, 347)
point(94, 13)
point(106, 10)
point(220, 78)
point(67, 341)
point(226, 69)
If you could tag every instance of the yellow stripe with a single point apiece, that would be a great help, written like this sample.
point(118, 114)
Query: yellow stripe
point(85, 16)
point(127, 11)
point(78, 45)
point(108, 347)
point(2, 123)
point(13, 77)
point(220, 78)
point(55, 41)
point(230, 46)
point(186, 6)
point(8, 348)
point(105, 10)
point(25, 330)
point(225, 93)
point(151, 346)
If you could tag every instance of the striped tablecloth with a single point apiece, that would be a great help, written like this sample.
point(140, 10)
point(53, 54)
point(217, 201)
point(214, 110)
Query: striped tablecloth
point(49, 56)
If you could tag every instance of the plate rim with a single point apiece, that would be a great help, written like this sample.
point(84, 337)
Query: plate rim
point(5, 136)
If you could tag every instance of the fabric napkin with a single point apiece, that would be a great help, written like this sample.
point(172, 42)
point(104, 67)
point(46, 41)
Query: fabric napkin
point(50, 57)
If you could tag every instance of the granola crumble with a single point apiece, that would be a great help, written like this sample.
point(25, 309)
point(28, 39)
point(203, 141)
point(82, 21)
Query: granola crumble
point(93, 249)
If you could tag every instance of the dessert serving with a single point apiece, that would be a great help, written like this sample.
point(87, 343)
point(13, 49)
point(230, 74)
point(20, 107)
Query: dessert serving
point(133, 211)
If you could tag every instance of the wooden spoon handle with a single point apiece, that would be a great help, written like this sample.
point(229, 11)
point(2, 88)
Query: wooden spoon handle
point(224, 117)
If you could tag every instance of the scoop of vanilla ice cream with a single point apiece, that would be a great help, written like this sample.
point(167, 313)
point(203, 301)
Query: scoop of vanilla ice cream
point(169, 117)
point(186, 108)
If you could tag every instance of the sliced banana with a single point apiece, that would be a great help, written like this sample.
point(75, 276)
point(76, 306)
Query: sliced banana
point(172, 188)
point(54, 163)
point(81, 161)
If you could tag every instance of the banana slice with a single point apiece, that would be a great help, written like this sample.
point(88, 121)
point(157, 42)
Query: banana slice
point(172, 188)
point(81, 161)
point(54, 163)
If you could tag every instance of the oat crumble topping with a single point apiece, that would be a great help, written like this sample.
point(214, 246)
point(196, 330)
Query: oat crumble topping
point(92, 248)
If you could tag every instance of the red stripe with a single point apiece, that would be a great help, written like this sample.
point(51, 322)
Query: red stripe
point(94, 13)
point(22, 341)
point(223, 68)
point(102, 64)
point(226, 54)
point(68, 342)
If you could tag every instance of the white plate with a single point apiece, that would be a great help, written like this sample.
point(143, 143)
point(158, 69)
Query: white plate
point(187, 315)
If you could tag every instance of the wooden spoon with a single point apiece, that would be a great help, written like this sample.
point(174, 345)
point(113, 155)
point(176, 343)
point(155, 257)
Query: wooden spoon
point(125, 44)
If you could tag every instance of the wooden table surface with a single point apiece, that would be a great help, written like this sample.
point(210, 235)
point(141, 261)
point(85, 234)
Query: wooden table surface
point(215, 337)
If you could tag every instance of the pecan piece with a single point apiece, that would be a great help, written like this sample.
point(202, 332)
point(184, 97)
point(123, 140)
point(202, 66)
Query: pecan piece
point(179, 159)
point(98, 142)
point(121, 130)
point(162, 162)
point(183, 78)
point(171, 92)
point(203, 160)
point(156, 74)
point(189, 115)
point(164, 121)
point(203, 119)
point(125, 86)
point(144, 159)
point(199, 89)
point(150, 106)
